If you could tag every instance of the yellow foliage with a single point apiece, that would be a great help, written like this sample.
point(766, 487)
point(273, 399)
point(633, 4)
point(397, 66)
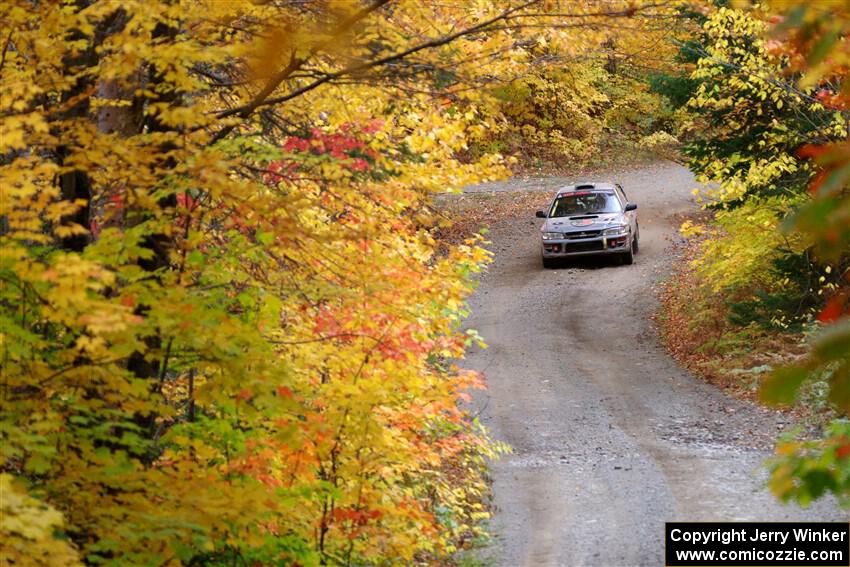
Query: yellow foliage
point(745, 243)
point(28, 530)
point(227, 324)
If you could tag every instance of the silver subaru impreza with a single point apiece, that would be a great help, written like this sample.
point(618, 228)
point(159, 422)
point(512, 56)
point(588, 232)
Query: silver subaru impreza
point(589, 218)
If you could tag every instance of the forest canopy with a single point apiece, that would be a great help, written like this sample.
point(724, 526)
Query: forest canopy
point(229, 332)
point(230, 325)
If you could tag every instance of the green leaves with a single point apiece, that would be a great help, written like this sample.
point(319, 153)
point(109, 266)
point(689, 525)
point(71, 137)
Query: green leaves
point(803, 471)
point(782, 385)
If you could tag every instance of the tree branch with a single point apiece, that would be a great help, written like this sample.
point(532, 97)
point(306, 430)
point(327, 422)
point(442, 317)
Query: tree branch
point(294, 64)
point(383, 61)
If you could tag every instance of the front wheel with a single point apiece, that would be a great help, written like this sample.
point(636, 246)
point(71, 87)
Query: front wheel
point(548, 263)
point(628, 258)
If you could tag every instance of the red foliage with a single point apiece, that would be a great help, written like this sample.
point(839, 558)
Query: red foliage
point(344, 145)
point(185, 201)
point(811, 151)
point(833, 309)
point(356, 517)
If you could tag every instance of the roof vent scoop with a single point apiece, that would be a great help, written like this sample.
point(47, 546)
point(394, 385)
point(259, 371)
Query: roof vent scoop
point(585, 186)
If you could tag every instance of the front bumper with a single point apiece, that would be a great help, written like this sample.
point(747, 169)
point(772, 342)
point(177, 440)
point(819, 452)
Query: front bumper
point(586, 246)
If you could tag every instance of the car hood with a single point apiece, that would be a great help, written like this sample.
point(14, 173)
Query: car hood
point(583, 222)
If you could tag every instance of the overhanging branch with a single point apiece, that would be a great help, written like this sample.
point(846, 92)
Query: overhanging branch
point(294, 64)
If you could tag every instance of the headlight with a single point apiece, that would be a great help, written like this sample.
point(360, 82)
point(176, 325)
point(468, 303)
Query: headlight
point(552, 235)
point(616, 231)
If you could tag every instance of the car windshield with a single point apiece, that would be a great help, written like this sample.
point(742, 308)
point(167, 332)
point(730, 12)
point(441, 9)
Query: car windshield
point(585, 203)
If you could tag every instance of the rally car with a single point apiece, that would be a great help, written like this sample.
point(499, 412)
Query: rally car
point(589, 218)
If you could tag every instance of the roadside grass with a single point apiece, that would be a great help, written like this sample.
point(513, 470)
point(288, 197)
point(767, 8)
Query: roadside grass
point(468, 214)
point(461, 217)
point(471, 558)
point(464, 216)
point(693, 323)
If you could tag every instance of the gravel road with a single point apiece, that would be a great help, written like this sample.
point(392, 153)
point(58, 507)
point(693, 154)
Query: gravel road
point(611, 438)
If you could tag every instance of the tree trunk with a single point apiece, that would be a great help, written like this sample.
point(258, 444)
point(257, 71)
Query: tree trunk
point(75, 185)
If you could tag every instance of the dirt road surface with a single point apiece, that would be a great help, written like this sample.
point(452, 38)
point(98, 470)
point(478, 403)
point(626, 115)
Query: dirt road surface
point(611, 438)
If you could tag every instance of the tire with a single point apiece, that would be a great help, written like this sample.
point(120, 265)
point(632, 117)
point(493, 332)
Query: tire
point(628, 258)
point(637, 241)
point(549, 263)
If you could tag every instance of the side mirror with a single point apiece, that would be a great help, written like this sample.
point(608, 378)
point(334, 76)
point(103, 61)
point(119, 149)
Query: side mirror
point(630, 207)
point(541, 214)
